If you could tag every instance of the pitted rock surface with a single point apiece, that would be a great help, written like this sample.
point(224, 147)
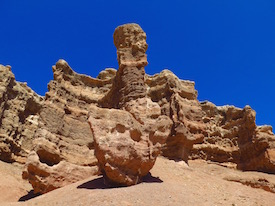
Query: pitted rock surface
point(64, 130)
point(127, 146)
point(128, 141)
point(178, 101)
point(132, 118)
point(130, 41)
point(19, 113)
point(232, 136)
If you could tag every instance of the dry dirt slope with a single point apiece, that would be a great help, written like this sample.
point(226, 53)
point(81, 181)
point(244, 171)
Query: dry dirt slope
point(171, 183)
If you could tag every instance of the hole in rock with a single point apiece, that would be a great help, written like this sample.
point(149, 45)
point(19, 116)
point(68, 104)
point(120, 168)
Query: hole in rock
point(120, 128)
point(135, 135)
point(67, 111)
point(48, 158)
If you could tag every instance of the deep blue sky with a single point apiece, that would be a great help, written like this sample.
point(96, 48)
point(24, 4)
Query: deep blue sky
point(226, 46)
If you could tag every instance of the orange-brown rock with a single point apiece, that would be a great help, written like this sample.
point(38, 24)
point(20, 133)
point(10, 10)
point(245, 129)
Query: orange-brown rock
point(133, 117)
point(64, 139)
point(47, 169)
point(128, 141)
point(19, 108)
point(130, 41)
point(232, 136)
point(178, 101)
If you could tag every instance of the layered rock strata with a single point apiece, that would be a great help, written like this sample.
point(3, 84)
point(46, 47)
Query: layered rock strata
point(128, 141)
point(132, 118)
point(130, 41)
point(19, 108)
point(232, 136)
point(63, 150)
point(178, 101)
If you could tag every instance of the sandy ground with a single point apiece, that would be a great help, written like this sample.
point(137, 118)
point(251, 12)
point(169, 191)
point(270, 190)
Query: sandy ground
point(170, 183)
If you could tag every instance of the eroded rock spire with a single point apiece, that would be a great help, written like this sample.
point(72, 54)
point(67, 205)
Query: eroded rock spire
point(130, 41)
point(129, 138)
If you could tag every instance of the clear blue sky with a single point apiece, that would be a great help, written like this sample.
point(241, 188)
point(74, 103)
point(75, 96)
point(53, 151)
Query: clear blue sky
point(226, 46)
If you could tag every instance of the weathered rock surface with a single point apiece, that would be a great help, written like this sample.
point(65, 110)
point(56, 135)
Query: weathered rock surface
point(232, 136)
point(130, 41)
point(19, 108)
point(255, 181)
point(46, 176)
point(126, 145)
point(128, 141)
point(132, 118)
point(178, 101)
point(63, 150)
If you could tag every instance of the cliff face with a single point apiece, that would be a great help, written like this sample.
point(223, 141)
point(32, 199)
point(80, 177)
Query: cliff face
point(232, 136)
point(63, 146)
point(19, 108)
point(52, 136)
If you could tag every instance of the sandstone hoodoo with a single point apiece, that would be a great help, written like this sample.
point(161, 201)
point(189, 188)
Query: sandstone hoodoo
point(118, 123)
point(128, 141)
point(130, 41)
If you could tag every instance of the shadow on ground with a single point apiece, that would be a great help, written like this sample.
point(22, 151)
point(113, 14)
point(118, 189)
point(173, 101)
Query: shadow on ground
point(28, 196)
point(99, 183)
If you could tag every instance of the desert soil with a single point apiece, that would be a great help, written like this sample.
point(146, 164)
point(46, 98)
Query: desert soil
point(170, 183)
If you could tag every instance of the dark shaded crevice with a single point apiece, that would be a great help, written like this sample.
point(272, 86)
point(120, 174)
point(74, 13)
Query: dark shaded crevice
point(5, 107)
point(28, 196)
point(48, 158)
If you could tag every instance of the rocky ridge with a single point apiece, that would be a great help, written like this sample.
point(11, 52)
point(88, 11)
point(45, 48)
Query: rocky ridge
point(53, 137)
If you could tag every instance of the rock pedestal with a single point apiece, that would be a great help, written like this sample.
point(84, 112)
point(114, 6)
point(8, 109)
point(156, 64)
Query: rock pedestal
point(128, 141)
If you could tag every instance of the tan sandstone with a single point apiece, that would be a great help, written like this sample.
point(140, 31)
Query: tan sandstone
point(132, 117)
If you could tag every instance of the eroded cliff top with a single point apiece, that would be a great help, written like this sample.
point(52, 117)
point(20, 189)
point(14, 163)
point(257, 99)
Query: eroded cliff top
point(118, 123)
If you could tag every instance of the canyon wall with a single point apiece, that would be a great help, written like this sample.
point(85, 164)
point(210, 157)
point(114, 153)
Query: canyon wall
point(118, 123)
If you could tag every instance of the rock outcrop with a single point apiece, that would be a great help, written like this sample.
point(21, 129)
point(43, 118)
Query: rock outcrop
point(178, 101)
point(19, 108)
point(130, 41)
point(232, 136)
point(128, 141)
point(63, 150)
point(119, 122)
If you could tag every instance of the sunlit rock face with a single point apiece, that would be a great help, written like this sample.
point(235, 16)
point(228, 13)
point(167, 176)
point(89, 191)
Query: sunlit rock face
point(130, 41)
point(63, 146)
point(128, 141)
point(118, 123)
point(19, 114)
point(232, 136)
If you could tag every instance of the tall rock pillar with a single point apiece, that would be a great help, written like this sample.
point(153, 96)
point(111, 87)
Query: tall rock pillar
point(130, 41)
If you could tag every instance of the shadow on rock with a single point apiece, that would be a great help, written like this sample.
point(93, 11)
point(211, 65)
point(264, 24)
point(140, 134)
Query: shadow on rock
point(150, 179)
point(99, 183)
point(28, 196)
point(94, 184)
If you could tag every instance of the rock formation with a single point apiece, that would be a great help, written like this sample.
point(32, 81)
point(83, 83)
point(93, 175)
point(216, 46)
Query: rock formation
point(178, 101)
point(128, 141)
point(232, 136)
point(130, 41)
point(120, 121)
point(19, 108)
point(63, 149)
